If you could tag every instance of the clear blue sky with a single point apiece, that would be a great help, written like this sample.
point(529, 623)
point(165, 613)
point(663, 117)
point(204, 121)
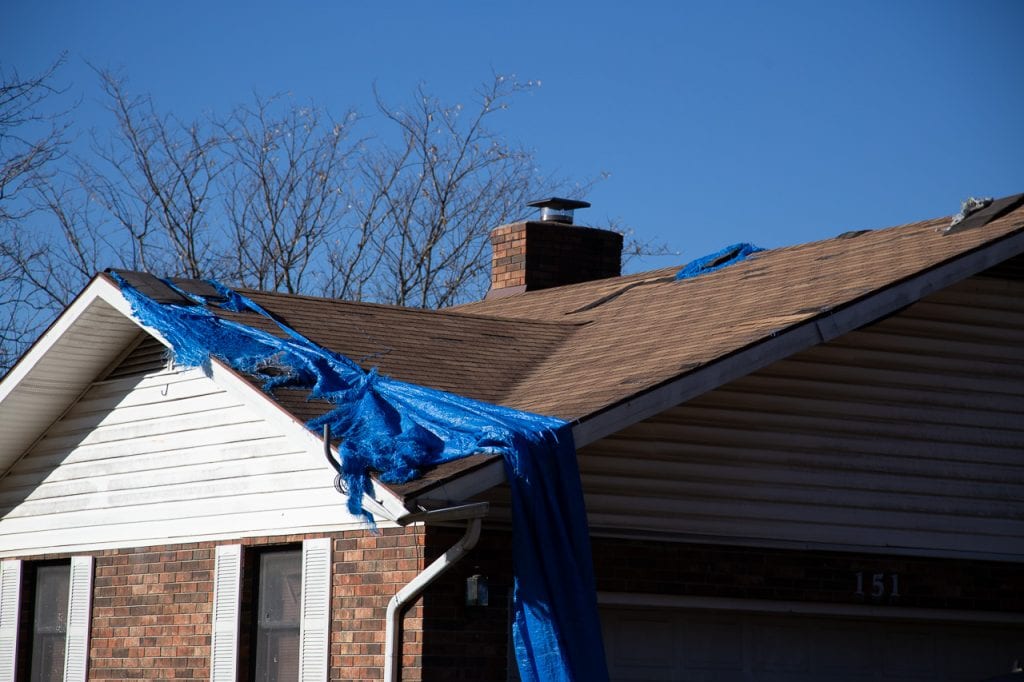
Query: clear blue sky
point(770, 122)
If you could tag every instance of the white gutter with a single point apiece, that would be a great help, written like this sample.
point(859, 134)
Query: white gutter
point(473, 514)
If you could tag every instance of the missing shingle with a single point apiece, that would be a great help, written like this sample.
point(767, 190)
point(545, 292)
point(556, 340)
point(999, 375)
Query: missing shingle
point(852, 233)
point(979, 212)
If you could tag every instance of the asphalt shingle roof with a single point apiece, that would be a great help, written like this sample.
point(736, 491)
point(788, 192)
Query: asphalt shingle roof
point(574, 350)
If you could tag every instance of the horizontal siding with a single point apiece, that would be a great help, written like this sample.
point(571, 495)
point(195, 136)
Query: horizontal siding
point(906, 434)
point(150, 454)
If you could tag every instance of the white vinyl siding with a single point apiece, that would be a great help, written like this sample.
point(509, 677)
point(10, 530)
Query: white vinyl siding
point(227, 576)
point(10, 609)
point(76, 652)
point(163, 455)
point(903, 436)
point(314, 628)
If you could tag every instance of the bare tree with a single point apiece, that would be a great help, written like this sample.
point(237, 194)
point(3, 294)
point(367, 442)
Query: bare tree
point(429, 203)
point(285, 191)
point(275, 195)
point(30, 142)
point(155, 175)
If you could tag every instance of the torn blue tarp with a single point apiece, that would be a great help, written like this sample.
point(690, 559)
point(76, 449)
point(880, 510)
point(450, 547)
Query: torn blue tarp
point(718, 260)
point(398, 429)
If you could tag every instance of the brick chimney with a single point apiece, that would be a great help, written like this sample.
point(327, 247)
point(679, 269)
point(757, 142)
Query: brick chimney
point(551, 252)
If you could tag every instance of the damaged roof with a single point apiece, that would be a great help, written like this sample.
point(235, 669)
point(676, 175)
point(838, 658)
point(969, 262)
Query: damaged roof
point(603, 354)
point(575, 350)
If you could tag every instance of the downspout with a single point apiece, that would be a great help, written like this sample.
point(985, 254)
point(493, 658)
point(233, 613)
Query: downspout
point(473, 514)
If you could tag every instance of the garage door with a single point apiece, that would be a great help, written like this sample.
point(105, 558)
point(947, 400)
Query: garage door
point(651, 644)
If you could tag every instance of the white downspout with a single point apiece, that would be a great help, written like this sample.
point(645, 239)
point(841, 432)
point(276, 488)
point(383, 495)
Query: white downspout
point(473, 514)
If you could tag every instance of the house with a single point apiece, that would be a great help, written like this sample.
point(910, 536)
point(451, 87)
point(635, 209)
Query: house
point(805, 464)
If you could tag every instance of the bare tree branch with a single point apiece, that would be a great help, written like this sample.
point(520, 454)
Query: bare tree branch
point(29, 140)
point(154, 175)
point(429, 204)
point(275, 196)
point(285, 191)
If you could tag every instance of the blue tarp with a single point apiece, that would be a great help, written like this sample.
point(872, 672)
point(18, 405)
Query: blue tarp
point(716, 261)
point(397, 429)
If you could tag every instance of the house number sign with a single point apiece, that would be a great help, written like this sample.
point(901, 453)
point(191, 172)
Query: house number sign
point(876, 585)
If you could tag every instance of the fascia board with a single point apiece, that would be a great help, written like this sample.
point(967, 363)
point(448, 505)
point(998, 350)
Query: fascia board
point(461, 488)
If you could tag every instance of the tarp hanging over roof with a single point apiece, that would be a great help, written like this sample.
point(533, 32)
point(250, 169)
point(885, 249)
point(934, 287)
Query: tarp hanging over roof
point(397, 429)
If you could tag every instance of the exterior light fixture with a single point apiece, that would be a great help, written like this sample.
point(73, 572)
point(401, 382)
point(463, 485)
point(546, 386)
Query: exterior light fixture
point(477, 592)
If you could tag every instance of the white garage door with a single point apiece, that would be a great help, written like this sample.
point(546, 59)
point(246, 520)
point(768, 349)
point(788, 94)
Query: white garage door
point(656, 645)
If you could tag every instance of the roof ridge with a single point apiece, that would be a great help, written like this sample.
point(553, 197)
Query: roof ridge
point(451, 311)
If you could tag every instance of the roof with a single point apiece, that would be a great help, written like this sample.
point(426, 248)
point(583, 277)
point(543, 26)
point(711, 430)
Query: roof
point(640, 331)
point(610, 352)
point(576, 350)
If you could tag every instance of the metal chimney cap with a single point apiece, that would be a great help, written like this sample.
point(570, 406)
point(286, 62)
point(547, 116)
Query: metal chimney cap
point(557, 209)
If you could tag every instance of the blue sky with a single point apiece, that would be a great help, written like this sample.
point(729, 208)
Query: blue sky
point(769, 122)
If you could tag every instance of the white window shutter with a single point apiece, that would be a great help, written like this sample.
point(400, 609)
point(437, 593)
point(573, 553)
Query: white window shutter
point(315, 626)
point(10, 596)
point(76, 643)
point(227, 577)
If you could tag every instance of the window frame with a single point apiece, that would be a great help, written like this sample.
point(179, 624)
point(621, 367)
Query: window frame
point(18, 583)
point(30, 642)
point(232, 649)
point(257, 625)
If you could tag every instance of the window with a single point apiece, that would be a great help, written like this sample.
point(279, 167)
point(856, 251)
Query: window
point(44, 619)
point(276, 617)
point(287, 594)
point(49, 622)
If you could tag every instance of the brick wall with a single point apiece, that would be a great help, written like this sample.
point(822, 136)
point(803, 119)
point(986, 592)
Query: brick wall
point(468, 643)
point(151, 614)
point(152, 606)
point(368, 570)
